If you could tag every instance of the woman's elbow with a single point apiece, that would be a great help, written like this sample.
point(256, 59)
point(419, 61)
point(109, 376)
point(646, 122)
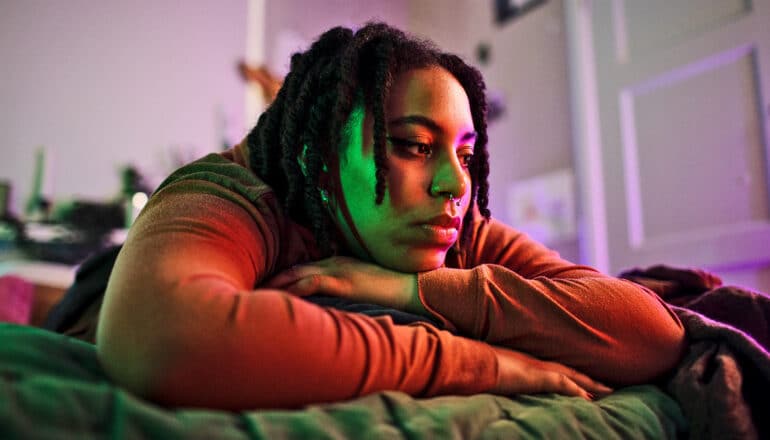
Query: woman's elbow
point(656, 351)
point(135, 357)
point(670, 348)
point(128, 364)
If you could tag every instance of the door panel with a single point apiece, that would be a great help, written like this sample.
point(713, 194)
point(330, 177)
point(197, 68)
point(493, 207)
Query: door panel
point(681, 110)
point(693, 173)
point(647, 26)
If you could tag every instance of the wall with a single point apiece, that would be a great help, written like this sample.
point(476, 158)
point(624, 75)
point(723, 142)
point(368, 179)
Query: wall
point(291, 25)
point(102, 84)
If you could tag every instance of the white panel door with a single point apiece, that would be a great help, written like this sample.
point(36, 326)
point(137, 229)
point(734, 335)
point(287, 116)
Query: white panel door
point(680, 103)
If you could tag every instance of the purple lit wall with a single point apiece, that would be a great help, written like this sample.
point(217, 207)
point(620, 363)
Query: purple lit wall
point(102, 84)
point(291, 25)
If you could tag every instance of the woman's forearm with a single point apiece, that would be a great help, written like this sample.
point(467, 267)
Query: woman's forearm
point(611, 329)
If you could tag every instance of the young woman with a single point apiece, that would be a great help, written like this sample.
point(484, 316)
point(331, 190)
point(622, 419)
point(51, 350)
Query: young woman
point(365, 179)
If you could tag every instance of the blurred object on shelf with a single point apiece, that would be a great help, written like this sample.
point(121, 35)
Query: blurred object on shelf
point(132, 181)
point(75, 230)
point(92, 218)
point(5, 198)
point(134, 206)
point(69, 230)
point(134, 193)
point(496, 106)
point(261, 75)
point(10, 227)
point(38, 202)
point(57, 243)
point(508, 10)
point(9, 232)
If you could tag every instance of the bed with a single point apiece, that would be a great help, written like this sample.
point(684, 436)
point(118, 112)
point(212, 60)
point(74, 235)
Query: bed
point(52, 386)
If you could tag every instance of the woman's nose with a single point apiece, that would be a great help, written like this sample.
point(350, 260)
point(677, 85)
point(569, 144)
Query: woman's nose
point(450, 177)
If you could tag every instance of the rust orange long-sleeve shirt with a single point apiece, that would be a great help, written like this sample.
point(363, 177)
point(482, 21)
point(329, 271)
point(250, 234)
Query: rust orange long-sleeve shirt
point(185, 322)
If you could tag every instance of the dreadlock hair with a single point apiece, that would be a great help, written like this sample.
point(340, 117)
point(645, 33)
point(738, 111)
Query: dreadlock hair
point(309, 114)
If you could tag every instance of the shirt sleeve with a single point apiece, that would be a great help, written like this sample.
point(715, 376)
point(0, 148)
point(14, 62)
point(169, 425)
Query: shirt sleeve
point(182, 324)
point(518, 294)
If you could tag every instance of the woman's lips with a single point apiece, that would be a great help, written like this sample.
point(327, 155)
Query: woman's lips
point(440, 235)
point(440, 231)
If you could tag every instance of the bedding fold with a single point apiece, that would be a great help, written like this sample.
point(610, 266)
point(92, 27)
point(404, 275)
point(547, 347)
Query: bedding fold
point(51, 386)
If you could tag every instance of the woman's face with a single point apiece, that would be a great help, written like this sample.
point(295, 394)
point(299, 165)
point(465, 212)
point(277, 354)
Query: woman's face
point(430, 141)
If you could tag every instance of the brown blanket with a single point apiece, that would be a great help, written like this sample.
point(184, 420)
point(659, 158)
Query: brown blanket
point(723, 382)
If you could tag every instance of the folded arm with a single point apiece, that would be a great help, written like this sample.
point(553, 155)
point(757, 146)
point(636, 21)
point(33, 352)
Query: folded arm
point(182, 324)
point(518, 294)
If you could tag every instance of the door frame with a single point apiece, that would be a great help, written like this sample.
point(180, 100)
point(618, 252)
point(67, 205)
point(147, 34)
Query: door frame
point(586, 132)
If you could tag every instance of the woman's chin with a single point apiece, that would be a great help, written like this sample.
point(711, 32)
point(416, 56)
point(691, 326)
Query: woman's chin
point(415, 262)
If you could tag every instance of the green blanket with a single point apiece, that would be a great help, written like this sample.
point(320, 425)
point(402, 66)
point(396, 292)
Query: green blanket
point(53, 387)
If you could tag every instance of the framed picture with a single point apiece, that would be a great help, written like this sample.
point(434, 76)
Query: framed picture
point(507, 10)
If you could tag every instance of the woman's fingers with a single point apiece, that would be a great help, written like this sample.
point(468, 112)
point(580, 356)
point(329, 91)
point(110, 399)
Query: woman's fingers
point(317, 283)
point(294, 275)
point(309, 279)
point(520, 373)
point(352, 279)
point(330, 267)
point(303, 286)
point(559, 383)
point(585, 382)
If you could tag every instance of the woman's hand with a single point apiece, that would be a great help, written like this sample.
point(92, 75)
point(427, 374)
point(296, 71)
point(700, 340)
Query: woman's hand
point(352, 279)
point(519, 373)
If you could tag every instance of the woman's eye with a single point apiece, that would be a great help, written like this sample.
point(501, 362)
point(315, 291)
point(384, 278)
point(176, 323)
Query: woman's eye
point(466, 159)
point(423, 148)
point(412, 147)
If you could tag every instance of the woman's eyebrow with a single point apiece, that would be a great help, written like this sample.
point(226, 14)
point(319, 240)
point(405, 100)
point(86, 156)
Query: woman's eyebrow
point(428, 123)
point(416, 119)
point(468, 136)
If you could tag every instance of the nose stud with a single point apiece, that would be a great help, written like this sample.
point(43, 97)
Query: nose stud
point(435, 190)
